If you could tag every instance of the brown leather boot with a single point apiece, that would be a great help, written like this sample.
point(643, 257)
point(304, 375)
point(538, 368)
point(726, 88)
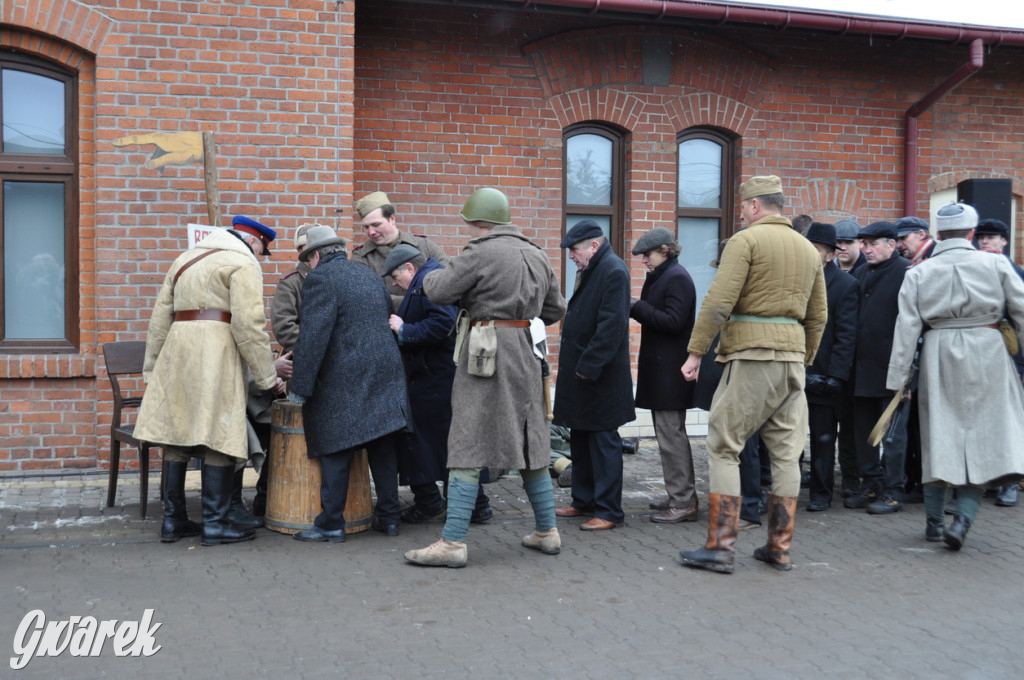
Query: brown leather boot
point(723, 522)
point(781, 513)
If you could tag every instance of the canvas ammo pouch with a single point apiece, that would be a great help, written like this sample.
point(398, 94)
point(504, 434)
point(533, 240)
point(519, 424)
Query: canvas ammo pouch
point(483, 349)
point(461, 330)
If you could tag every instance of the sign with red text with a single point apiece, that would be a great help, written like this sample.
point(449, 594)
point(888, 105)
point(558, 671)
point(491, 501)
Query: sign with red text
point(197, 232)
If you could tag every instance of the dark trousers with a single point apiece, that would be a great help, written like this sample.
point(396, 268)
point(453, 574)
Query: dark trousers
point(334, 474)
point(847, 436)
point(824, 430)
point(913, 462)
point(750, 479)
point(597, 472)
point(883, 476)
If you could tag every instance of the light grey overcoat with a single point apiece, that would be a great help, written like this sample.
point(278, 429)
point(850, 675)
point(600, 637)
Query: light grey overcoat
point(500, 421)
point(972, 403)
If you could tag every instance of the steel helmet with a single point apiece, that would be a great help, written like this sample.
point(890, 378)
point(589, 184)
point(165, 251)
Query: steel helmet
point(487, 205)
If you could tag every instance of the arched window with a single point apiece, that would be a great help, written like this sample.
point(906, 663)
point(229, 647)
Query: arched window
point(38, 206)
point(704, 203)
point(594, 184)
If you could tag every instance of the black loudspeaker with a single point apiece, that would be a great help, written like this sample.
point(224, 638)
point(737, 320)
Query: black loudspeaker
point(990, 197)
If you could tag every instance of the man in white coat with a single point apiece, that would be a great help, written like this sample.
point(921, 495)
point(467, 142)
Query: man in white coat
point(956, 299)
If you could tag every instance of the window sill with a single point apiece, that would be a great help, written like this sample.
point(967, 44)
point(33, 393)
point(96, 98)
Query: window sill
point(29, 366)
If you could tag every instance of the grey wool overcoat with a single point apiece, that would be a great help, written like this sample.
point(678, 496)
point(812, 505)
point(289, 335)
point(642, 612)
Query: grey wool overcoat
point(500, 421)
point(347, 364)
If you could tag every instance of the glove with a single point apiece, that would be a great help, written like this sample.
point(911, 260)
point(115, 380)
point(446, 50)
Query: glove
point(832, 387)
point(296, 399)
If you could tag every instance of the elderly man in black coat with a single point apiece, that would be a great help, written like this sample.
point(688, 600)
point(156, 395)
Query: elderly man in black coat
point(348, 376)
point(831, 368)
point(594, 391)
point(882, 482)
point(666, 311)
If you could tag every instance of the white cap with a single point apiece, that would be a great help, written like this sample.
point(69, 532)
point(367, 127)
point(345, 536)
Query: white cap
point(955, 217)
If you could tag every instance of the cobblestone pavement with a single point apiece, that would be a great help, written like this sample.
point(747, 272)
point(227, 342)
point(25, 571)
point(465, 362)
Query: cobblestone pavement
point(868, 598)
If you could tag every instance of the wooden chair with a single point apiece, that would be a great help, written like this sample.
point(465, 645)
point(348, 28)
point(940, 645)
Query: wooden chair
point(126, 358)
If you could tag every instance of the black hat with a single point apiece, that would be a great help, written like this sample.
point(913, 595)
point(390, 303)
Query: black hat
point(878, 230)
point(655, 238)
point(822, 232)
point(908, 225)
point(584, 230)
point(399, 255)
point(992, 226)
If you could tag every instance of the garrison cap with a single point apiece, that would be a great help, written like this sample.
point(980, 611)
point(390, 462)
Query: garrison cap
point(956, 216)
point(878, 230)
point(760, 186)
point(908, 225)
point(399, 255)
point(367, 204)
point(584, 230)
point(655, 238)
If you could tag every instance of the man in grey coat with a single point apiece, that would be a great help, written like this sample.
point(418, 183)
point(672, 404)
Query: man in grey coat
point(955, 299)
point(349, 378)
point(501, 281)
point(594, 391)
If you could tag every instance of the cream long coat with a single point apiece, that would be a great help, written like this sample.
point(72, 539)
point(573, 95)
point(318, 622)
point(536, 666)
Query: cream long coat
point(500, 421)
point(972, 404)
point(195, 370)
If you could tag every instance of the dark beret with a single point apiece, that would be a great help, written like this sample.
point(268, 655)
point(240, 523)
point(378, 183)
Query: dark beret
point(908, 225)
point(992, 226)
point(822, 232)
point(584, 230)
point(878, 230)
point(400, 254)
point(655, 238)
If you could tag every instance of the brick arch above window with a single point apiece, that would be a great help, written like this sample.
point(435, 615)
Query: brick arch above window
point(827, 199)
point(610, 106)
point(705, 109)
point(72, 22)
point(648, 56)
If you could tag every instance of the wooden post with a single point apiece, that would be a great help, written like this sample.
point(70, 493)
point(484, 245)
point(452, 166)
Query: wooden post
point(210, 172)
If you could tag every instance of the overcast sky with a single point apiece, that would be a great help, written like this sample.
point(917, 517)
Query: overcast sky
point(999, 13)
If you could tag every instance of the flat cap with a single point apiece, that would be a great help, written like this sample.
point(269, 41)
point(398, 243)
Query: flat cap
point(908, 225)
point(760, 186)
point(370, 202)
point(250, 226)
point(992, 226)
point(956, 216)
point(878, 230)
point(847, 230)
point(822, 232)
point(583, 230)
point(318, 236)
point(400, 254)
point(655, 238)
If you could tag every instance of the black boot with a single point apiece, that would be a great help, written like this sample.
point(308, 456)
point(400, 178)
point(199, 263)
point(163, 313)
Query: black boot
point(956, 533)
point(176, 522)
point(933, 529)
point(259, 501)
point(238, 514)
point(218, 485)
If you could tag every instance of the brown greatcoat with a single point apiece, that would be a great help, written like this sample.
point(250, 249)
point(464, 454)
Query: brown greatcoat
point(500, 421)
point(196, 370)
point(284, 310)
point(374, 256)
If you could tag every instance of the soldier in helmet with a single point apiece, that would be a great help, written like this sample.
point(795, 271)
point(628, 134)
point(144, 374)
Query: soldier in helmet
point(380, 223)
point(502, 281)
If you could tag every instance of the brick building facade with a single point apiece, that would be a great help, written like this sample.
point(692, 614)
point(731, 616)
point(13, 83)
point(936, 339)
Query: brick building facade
point(313, 104)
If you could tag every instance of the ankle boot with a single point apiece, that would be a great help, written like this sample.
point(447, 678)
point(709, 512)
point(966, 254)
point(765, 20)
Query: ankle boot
point(218, 486)
point(176, 522)
point(956, 533)
point(781, 515)
point(718, 554)
point(238, 514)
point(933, 529)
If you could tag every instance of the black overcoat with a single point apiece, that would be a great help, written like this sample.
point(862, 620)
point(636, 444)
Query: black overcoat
point(595, 345)
point(836, 351)
point(427, 341)
point(665, 310)
point(879, 308)
point(347, 364)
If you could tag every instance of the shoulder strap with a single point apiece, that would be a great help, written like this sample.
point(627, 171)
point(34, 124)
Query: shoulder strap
point(192, 262)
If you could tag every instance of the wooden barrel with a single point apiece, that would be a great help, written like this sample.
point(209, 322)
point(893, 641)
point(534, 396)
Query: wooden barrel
point(293, 490)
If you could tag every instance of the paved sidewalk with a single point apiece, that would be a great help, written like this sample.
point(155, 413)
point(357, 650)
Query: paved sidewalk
point(868, 597)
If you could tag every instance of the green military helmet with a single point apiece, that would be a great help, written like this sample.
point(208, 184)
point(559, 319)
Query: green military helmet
point(487, 205)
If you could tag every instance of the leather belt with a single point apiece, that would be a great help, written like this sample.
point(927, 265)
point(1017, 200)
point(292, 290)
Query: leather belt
point(504, 323)
point(202, 315)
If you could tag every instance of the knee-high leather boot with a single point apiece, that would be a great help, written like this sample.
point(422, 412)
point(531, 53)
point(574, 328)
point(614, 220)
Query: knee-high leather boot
point(218, 486)
point(176, 522)
point(781, 514)
point(718, 554)
point(238, 514)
